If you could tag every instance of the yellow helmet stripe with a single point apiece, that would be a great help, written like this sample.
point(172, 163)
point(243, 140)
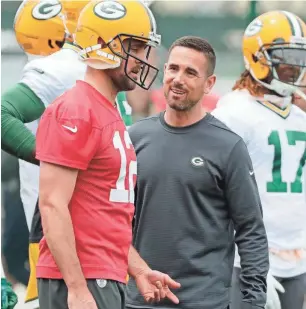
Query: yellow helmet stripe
point(295, 26)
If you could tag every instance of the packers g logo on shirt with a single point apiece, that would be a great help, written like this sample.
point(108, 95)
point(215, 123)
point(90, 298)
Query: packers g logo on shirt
point(46, 9)
point(110, 10)
point(197, 161)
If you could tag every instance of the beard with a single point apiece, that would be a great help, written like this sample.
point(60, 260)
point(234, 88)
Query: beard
point(120, 80)
point(180, 106)
point(123, 83)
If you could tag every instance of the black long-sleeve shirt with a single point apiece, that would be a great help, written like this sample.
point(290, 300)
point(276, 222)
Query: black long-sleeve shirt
point(195, 187)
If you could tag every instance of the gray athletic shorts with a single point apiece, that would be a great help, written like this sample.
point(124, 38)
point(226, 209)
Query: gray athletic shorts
point(108, 294)
point(293, 298)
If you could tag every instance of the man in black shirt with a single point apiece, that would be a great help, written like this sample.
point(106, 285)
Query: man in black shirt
point(195, 186)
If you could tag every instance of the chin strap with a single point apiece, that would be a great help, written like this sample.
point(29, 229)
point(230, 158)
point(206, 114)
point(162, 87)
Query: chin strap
point(300, 93)
point(281, 102)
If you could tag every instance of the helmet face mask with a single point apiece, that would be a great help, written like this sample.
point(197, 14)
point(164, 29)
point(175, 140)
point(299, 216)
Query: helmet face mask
point(148, 72)
point(105, 34)
point(287, 63)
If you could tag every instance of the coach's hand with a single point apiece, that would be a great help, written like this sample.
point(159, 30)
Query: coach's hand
point(81, 298)
point(155, 285)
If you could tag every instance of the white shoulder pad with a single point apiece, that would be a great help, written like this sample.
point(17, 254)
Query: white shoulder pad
point(234, 110)
point(51, 76)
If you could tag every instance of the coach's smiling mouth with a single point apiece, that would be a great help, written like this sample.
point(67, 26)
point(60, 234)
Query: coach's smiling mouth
point(177, 92)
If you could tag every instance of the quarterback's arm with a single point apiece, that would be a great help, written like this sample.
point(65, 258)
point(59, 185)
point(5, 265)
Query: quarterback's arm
point(246, 212)
point(19, 105)
point(136, 264)
point(62, 153)
point(56, 186)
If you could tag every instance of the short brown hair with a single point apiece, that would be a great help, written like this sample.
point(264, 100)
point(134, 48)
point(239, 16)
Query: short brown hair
point(198, 44)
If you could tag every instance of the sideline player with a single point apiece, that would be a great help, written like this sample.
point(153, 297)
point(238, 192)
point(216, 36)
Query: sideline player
point(260, 110)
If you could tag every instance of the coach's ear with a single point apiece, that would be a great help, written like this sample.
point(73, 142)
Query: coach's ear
point(209, 84)
point(165, 68)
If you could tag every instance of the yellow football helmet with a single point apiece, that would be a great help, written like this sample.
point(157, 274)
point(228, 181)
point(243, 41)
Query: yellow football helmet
point(104, 25)
point(38, 27)
point(274, 50)
point(71, 10)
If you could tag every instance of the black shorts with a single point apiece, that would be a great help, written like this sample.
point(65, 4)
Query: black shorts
point(108, 294)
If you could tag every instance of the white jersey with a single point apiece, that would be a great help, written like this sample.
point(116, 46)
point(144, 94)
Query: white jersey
point(48, 77)
point(276, 141)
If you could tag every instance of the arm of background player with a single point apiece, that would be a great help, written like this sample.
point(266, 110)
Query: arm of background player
point(19, 105)
point(56, 186)
point(246, 212)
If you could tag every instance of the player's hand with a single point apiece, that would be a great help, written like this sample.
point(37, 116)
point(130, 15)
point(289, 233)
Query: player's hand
point(8, 297)
point(273, 288)
point(155, 285)
point(81, 299)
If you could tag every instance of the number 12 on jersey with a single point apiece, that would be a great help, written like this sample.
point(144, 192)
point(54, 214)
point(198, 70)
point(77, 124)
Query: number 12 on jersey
point(278, 185)
point(120, 194)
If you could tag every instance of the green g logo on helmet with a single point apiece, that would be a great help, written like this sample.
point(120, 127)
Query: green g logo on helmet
point(46, 9)
point(110, 10)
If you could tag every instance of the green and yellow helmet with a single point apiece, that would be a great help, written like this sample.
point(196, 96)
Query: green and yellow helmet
point(274, 50)
point(38, 27)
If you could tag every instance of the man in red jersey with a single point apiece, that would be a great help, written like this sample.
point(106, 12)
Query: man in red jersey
point(88, 169)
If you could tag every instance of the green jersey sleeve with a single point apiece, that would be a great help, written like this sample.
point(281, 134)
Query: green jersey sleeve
point(19, 105)
point(124, 109)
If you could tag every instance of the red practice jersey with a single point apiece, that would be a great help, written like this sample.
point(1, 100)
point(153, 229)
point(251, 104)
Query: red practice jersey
point(83, 130)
